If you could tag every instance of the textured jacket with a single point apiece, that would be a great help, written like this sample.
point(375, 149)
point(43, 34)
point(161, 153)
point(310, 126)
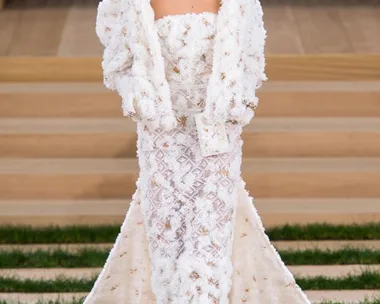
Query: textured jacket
point(134, 66)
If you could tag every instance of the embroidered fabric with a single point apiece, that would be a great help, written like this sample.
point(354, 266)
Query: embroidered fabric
point(144, 99)
point(188, 202)
point(133, 64)
point(191, 234)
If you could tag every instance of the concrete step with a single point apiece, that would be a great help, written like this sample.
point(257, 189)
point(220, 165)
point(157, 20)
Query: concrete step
point(280, 245)
point(273, 212)
point(277, 98)
point(67, 179)
point(68, 138)
point(264, 137)
point(316, 296)
point(115, 178)
point(331, 271)
point(341, 296)
point(38, 298)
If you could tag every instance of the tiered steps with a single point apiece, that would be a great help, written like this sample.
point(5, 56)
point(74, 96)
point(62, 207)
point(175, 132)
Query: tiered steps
point(315, 296)
point(299, 271)
point(280, 245)
point(311, 155)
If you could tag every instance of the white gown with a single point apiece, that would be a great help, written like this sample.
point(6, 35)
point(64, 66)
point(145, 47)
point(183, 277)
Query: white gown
point(192, 233)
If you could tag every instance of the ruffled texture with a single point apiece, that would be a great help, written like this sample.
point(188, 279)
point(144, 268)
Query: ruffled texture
point(133, 53)
point(126, 64)
point(254, 56)
point(192, 229)
point(239, 63)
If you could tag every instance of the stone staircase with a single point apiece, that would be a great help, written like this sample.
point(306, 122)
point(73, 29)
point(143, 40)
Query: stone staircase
point(311, 155)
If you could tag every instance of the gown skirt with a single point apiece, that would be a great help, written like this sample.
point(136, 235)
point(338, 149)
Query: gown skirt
point(191, 233)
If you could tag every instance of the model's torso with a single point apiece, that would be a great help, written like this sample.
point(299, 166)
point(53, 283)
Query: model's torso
point(175, 7)
point(187, 42)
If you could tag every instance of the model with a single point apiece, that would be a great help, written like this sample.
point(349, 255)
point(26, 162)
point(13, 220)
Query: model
point(192, 233)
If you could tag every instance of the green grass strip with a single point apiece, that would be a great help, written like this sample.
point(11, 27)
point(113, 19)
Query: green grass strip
point(96, 258)
point(107, 234)
point(366, 280)
point(55, 234)
point(370, 231)
point(345, 256)
point(53, 258)
point(59, 284)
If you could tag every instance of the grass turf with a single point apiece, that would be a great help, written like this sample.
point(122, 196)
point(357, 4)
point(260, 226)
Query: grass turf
point(55, 234)
point(365, 280)
point(107, 234)
point(53, 258)
point(370, 231)
point(96, 258)
point(344, 256)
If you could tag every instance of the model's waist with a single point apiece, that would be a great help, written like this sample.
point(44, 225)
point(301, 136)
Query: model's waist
point(187, 85)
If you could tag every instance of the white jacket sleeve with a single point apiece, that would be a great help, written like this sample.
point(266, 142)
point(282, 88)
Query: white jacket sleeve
point(238, 63)
point(119, 73)
point(254, 58)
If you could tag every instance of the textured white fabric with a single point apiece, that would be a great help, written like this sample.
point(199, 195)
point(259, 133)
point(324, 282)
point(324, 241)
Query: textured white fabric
point(133, 63)
point(188, 201)
point(192, 234)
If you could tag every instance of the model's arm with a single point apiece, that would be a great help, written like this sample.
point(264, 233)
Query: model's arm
point(108, 32)
point(119, 73)
point(254, 62)
point(253, 65)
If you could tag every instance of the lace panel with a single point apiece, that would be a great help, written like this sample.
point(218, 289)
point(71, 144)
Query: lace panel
point(188, 201)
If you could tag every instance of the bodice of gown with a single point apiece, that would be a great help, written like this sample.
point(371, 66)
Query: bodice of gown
point(187, 47)
point(187, 42)
point(188, 201)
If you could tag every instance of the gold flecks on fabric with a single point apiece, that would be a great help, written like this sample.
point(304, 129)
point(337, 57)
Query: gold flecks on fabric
point(204, 230)
point(194, 275)
point(182, 120)
point(212, 264)
point(168, 225)
point(224, 172)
